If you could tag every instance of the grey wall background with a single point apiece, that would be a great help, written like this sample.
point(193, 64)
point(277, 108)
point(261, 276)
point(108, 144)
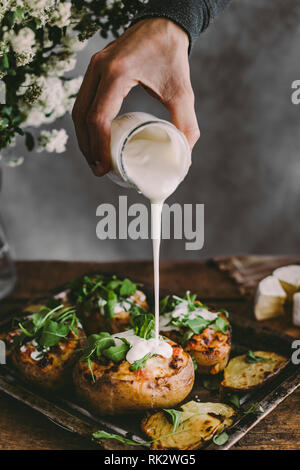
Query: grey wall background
point(246, 166)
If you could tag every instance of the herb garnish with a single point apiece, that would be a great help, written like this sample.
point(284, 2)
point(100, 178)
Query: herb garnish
point(221, 439)
point(174, 416)
point(92, 292)
point(140, 363)
point(252, 358)
point(254, 408)
point(48, 326)
point(197, 323)
point(104, 344)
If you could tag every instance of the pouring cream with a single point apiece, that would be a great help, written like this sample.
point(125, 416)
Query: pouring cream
point(152, 156)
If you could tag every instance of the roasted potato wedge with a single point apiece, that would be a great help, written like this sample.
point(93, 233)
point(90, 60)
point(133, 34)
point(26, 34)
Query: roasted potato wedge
point(94, 320)
point(54, 369)
point(116, 389)
point(200, 422)
point(241, 375)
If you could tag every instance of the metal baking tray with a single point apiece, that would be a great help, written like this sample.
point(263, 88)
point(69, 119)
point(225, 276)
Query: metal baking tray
point(65, 410)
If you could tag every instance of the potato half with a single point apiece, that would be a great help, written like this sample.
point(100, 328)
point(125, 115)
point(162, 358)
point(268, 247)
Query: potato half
point(210, 349)
point(200, 422)
point(54, 370)
point(94, 321)
point(162, 383)
point(241, 375)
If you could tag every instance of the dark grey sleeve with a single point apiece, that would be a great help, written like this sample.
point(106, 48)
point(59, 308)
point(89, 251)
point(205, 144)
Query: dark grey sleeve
point(193, 16)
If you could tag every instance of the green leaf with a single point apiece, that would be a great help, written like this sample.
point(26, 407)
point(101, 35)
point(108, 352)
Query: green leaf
point(96, 344)
point(221, 325)
point(252, 358)
point(143, 325)
point(197, 325)
point(111, 302)
point(127, 288)
point(19, 13)
point(116, 353)
point(221, 439)
point(163, 305)
point(52, 333)
point(5, 61)
point(140, 363)
point(174, 416)
point(29, 141)
point(254, 408)
point(235, 401)
point(107, 435)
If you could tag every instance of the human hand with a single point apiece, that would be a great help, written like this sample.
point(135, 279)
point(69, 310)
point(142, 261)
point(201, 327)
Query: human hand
point(152, 53)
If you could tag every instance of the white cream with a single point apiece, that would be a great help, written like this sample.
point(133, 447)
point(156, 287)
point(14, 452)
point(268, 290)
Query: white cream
point(36, 355)
point(156, 159)
point(139, 347)
point(181, 311)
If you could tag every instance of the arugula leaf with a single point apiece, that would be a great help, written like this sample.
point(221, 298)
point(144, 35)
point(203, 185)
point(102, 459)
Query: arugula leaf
point(197, 325)
point(163, 305)
point(140, 363)
point(255, 408)
point(48, 326)
point(112, 299)
point(96, 344)
point(107, 435)
point(235, 401)
point(220, 325)
point(52, 333)
point(174, 416)
point(116, 353)
point(252, 358)
point(127, 288)
point(221, 439)
point(143, 325)
point(186, 337)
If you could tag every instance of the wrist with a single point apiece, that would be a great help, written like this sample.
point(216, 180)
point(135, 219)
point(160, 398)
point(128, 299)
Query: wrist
point(167, 29)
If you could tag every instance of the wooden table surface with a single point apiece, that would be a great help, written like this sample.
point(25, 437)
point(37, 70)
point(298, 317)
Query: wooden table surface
point(23, 428)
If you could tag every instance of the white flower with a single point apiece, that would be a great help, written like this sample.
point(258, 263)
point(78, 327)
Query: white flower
point(53, 141)
point(23, 45)
point(57, 67)
point(72, 43)
point(72, 86)
point(38, 5)
point(23, 41)
point(61, 15)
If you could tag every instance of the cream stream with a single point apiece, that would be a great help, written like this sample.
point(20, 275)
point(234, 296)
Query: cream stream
point(156, 159)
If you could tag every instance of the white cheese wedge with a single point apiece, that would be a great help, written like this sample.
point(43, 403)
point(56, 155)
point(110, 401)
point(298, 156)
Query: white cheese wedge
point(270, 299)
point(296, 309)
point(289, 277)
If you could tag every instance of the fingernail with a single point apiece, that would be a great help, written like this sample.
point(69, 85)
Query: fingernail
point(96, 168)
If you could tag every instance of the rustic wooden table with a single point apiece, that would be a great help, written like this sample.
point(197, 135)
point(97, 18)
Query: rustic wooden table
point(23, 428)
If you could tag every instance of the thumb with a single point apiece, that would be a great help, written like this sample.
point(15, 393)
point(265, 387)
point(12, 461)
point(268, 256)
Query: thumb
point(182, 112)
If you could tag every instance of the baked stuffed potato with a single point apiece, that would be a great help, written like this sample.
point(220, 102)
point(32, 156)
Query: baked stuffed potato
point(204, 333)
point(105, 303)
point(110, 382)
point(45, 346)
